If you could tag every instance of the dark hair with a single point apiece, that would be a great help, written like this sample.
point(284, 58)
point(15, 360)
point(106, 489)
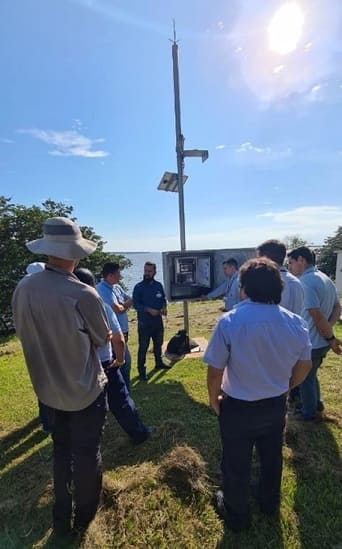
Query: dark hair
point(110, 268)
point(261, 281)
point(273, 249)
point(85, 276)
point(304, 252)
point(231, 261)
point(150, 264)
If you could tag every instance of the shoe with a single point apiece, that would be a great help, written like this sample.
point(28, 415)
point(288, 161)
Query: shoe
point(232, 520)
point(163, 366)
point(320, 406)
point(142, 377)
point(298, 414)
point(144, 436)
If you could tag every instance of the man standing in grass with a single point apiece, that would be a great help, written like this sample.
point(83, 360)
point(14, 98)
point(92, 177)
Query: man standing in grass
point(60, 323)
point(150, 303)
point(257, 352)
point(114, 295)
point(321, 310)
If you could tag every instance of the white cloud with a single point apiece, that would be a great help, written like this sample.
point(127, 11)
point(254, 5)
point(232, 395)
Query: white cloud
point(263, 156)
point(219, 147)
point(7, 141)
point(245, 147)
point(312, 222)
point(67, 143)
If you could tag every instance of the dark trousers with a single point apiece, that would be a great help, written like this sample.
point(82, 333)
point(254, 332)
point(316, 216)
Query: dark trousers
point(122, 405)
point(77, 463)
point(146, 332)
point(244, 425)
point(310, 389)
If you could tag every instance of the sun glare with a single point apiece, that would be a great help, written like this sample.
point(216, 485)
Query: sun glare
point(285, 28)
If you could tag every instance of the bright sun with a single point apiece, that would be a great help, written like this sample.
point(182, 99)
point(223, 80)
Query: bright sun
point(285, 28)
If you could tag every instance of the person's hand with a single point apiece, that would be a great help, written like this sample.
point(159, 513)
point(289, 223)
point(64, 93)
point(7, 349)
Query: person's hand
point(215, 404)
point(163, 311)
point(336, 346)
point(152, 312)
point(109, 335)
point(128, 303)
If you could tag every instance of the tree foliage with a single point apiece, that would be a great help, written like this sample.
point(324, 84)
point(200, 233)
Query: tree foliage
point(328, 257)
point(294, 241)
point(20, 224)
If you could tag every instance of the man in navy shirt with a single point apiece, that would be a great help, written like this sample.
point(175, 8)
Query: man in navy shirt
point(150, 304)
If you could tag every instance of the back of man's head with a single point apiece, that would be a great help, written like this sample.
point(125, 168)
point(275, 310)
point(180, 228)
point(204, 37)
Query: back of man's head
point(273, 249)
point(110, 268)
point(305, 253)
point(260, 279)
point(85, 276)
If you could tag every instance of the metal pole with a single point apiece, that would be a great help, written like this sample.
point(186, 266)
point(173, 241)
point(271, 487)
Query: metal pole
point(180, 162)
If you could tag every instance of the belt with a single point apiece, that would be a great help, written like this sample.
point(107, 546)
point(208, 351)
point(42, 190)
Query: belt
point(253, 403)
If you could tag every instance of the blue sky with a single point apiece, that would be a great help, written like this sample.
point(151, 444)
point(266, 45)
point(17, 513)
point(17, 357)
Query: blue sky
point(87, 117)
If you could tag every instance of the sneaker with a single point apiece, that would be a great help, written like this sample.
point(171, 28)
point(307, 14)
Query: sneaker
point(232, 520)
point(320, 406)
point(142, 377)
point(162, 366)
point(144, 436)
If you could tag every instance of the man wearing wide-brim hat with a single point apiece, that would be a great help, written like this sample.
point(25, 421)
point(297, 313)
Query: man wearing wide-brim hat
point(60, 322)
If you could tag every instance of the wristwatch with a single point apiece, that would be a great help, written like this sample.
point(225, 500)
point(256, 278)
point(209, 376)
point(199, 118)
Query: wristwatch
point(330, 338)
point(118, 363)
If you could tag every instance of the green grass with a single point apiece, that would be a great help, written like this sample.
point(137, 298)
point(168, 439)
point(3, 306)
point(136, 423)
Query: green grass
point(143, 504)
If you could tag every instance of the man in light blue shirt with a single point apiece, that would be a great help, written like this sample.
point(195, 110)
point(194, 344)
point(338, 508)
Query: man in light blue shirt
point(120, 403)
point(292, 297)
point(229, 287)
point(321, 310)
point(256, 353)
point(115, 296)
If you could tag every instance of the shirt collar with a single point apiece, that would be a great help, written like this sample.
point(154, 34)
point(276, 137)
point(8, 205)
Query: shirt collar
point(309, 270)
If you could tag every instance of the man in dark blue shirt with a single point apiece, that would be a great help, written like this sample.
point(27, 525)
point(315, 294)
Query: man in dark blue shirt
point(150, 304)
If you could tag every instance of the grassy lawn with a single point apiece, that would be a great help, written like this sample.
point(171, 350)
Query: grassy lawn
point(159, 494)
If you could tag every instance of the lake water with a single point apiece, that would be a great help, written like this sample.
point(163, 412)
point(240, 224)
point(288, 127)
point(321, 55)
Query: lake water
point(135, 273)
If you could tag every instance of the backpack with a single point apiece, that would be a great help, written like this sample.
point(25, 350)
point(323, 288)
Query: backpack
point(179, 344)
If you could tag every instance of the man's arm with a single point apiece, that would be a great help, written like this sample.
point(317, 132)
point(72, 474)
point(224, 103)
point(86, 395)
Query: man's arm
point(217, 292)
point(299, 372)
point(121, 307)
point(137, 299)
point(324, 328)
point(214, 381)
point(119, 348)
point(335, 315)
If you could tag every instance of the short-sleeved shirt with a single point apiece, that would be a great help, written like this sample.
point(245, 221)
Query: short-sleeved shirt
point(229, 289)
point(60, 322)
point(114, 295)
point(319, 293)
point(292, 297)
point(257, 345)
point(105, 352)
point(148, 294)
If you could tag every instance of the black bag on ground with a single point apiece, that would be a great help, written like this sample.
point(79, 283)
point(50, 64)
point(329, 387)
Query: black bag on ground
point(179, 344)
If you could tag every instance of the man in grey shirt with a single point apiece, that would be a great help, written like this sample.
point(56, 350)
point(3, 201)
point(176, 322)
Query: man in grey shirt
point(60, 323)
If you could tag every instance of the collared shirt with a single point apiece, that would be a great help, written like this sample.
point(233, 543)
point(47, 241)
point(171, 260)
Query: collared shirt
point(319, 293)
point(257, 345)
point(292, 297)
point(148, 294)
point(60, 322)
point(105, 353)
point(229, 289)
point(114, 295)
